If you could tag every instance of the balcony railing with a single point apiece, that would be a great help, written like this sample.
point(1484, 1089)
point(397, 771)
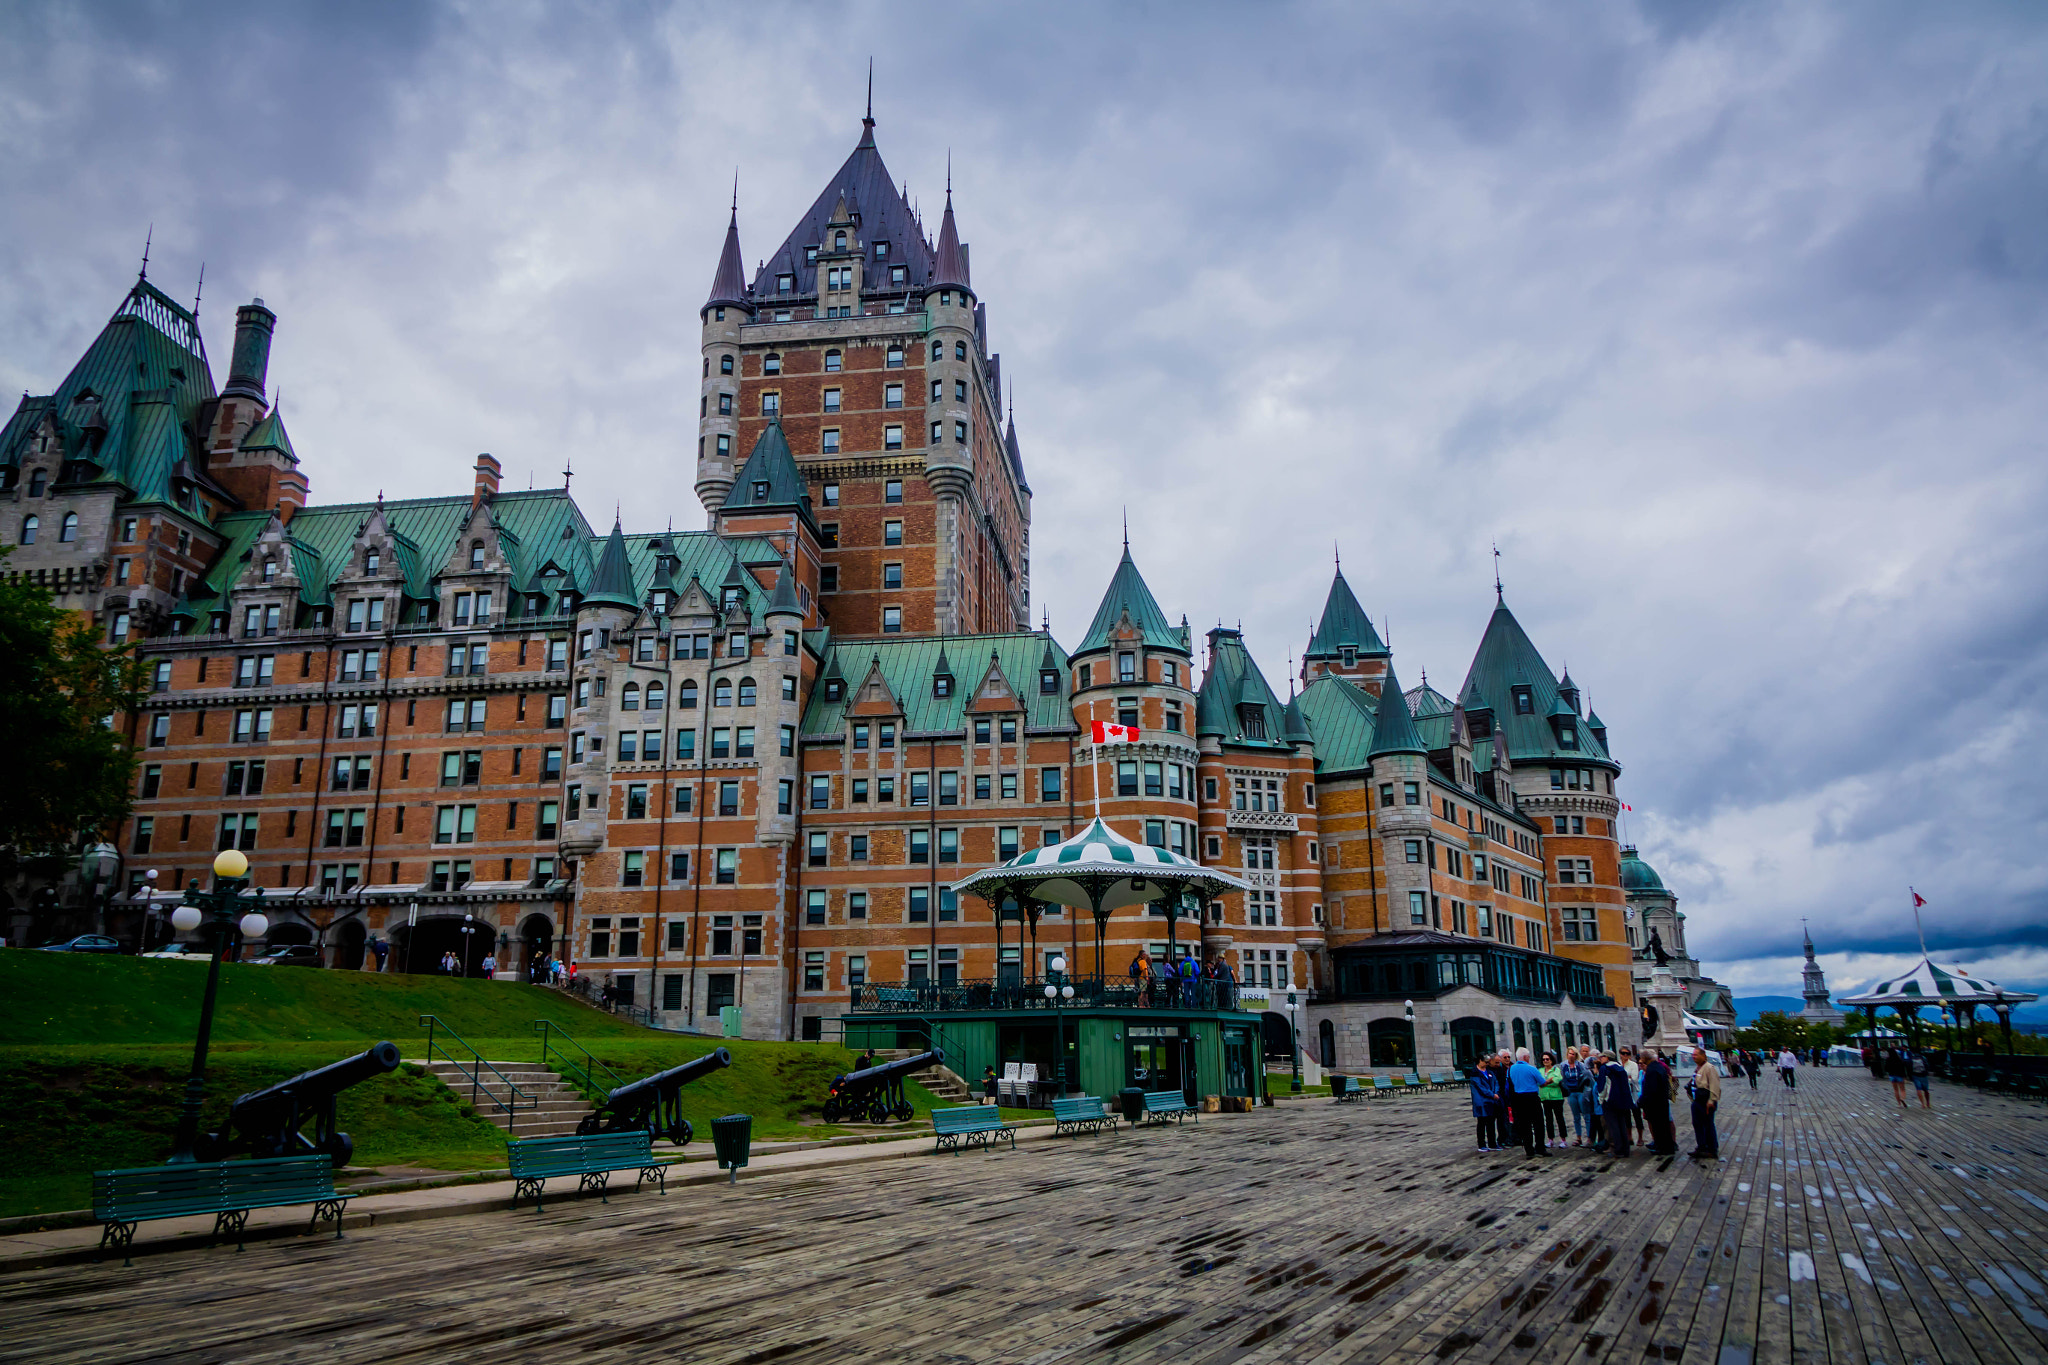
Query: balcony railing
point(920, 997)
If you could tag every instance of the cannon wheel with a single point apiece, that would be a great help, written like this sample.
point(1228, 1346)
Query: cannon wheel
point(340, 1149)
point(878, 1111)
point(904, 1111)
point(680, 1133)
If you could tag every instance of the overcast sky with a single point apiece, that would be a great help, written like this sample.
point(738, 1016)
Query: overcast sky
point(1726, 323)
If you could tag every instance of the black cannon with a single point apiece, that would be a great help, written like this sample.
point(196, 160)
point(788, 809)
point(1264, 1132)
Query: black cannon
point(655, 1102)
point(266, 1123)
point(876, 1094)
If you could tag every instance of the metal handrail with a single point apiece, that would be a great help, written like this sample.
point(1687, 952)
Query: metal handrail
point(582, 1074)
point(510, 1105)
point(1206, 993)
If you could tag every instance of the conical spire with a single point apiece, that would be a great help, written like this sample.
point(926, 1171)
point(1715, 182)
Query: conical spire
point(1295, 724)
point(951, 266)
point(729, 285)
point(1393, 731)
point(1128, 595)
point(612, 584)
point(783, 602)
point(269, 434)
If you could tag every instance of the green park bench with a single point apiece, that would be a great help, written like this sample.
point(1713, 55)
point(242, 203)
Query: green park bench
point(1161, 1105)
point(226, 1189)
point(974, 1125)
point(1081, 1113)
point(591, 1158)
point(1347, 1089)
point(1382, 1086)
point(1438, 1080)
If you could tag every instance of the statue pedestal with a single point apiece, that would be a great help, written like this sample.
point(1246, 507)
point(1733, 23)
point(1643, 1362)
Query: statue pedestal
point(1667, 1001)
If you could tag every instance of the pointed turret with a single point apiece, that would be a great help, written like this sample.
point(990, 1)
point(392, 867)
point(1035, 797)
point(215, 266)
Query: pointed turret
point(783, 602)
point(770, 479)
point(1509, 677)
point(1569, 690)
point(950, 269)
point(729, 285)
point(1129, 598)
point(1393, 730)
point(612, 584)
point(1015, 452)
point(1344, 625)
point(1293, 724)
point(269, 434)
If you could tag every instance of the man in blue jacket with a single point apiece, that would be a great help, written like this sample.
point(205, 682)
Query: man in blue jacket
point(1617, 1106)
point(1524, 1080)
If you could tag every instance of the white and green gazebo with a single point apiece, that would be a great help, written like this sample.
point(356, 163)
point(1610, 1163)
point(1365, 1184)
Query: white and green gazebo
point(1100, 871)
point(1947, 988)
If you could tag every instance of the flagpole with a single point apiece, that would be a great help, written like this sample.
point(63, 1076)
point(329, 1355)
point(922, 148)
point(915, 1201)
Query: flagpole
point(1918, 928)
point(1095, 778)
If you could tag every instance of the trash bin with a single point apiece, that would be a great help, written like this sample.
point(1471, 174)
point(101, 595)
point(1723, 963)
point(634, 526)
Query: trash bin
point(1131, 1099)
point(731, 1137)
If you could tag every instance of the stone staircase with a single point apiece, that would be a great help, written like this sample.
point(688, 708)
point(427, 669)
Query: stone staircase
point(550, 1107)
point(938, 1078)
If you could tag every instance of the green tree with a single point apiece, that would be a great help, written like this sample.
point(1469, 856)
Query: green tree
point(1774, 1029)
point(60, 690)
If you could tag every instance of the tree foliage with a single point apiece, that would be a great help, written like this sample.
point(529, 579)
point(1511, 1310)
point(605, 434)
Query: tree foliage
point(72, 771)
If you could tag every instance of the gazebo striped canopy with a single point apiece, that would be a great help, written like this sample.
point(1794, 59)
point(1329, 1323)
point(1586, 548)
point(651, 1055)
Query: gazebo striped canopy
point(1929, 984)
point(1099, 870)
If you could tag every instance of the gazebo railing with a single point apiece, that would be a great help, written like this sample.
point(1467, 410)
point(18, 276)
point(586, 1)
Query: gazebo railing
point(881, 997)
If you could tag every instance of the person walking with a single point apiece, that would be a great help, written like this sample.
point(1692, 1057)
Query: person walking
point(1896, 1071)
point(1656, 1104)
point(988, 1085)
point(1577, 1084)
point(1525, 1084)
point(1485, 1106)
point(1917, 1065)
point(1552, 1098)
point(1751, 1064)
point(1706, 1098)
point(1596, 1120)
point(1788, 1067)
point(1617, 1105)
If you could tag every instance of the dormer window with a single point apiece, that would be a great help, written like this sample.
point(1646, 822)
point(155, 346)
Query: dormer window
point(899, 275)
point(810, 258)
point(1568, 736)
point(476, 554)
point(371, 559)
point(1127, 667)
point(1251, 721)
point(658, 602)
point(839, 241)
point(881, 251)
point(785, 283)
point(1048, 682)
point(38, 480)
point(269, 571)
point(760, 490)
point(835, 690)
point(942, 685)
point(1348, 656)
point(1525, 703)
point(771, 363)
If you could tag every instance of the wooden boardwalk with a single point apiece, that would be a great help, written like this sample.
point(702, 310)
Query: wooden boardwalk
point(1834, 1228)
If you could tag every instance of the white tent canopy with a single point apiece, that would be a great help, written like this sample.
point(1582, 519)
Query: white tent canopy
point(1929, 984)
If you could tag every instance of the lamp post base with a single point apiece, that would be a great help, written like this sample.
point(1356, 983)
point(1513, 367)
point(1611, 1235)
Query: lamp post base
point(185, 1152)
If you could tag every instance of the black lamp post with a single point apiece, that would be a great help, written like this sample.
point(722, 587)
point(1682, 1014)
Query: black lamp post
point(1294, 1039)
point(1414, 1053)
point(1060, 992)
point(468, 928)
point(2004, 1008)
point(230, 876)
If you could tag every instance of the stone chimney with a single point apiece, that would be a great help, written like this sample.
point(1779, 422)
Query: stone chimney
point(487, 471)
point(251, 364)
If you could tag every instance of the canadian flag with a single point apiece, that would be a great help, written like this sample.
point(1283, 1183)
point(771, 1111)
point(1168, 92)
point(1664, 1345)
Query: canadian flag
point(1918, 899)
point(1105, 733)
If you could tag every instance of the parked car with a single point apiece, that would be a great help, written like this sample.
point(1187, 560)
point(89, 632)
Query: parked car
point(290, 955)
point(182, 952)
point(84, 943)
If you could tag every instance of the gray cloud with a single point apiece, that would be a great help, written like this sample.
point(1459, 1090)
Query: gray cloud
point(1725, 322)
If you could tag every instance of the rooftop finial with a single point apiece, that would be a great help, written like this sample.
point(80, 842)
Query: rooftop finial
point(1127, 530)
point(735, 194)
point(949, 177)
point(201, 289)
point(1338, 551)
point(1496, 572)
point(567, 465)
point(869, 117)
point(147, 238)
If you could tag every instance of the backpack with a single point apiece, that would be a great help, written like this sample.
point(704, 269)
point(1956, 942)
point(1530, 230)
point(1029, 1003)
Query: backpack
point(1919, 1065)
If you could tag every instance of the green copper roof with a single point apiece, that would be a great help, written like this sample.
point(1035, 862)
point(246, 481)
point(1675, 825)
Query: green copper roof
point(132, 403)
point(612, 584)
point(1393, 730)
point(1233, 691)
point(783, 601)
point(1341, 716)
point(1294, 727)
point(909, 664)
point(770, 478)
point(1637, 875)
point(1506, 660)
point(1129, 597)
point(1344, 624)
point(1427, 701)
point(269, 434)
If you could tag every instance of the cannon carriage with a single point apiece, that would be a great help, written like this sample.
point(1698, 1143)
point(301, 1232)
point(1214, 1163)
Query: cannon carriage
point(875, 1094)
point(267, 1123)
point(654, 1102)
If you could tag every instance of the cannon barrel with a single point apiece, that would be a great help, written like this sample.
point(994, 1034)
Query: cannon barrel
point(695, 1069)
point(321, 1081)
point(883, 1073)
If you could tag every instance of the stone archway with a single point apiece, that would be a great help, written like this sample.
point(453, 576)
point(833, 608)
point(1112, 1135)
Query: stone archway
point(536, 942)
point(350, 941)
point(1472, 1040)
point(1392, 1042)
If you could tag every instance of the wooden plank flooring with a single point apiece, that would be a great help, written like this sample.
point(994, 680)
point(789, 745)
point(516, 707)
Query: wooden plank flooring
point(1835, 1228)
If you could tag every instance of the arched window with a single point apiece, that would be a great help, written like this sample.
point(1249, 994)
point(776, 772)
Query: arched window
point(686, 696)
point(657, 696)
point(959, 350)
point(1585, 1038)
point(721, 693)
point(839, 241)
point(38, 480)
point(269, 571)
point(371, 561)
point(938, 350)
point(832, 362)
point(1521, 1039)
point(746, 691)
point(725, 364)
point(29, 527)
point(1555, 1050)
point(629, 697)
point(68, 532)
point(476, 554)
point(1610, 1037)
point(771, 363)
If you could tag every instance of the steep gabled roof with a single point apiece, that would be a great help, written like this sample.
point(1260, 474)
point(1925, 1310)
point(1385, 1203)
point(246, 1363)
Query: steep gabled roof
point(1393, 730)
point(908, 665)
point(612, 584)
point(269, 434)
point(1344, 624)
point(1232, 686)
point(1129, 597)
point(1507, 659)
point(770, 479)
point(1341, 715)
point(863, 181)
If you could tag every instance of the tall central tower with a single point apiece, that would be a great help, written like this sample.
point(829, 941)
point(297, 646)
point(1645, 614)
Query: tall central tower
point(866, 343)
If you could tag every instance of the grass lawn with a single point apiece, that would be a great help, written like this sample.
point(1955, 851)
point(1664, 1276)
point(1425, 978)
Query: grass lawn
point(97, 1050)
